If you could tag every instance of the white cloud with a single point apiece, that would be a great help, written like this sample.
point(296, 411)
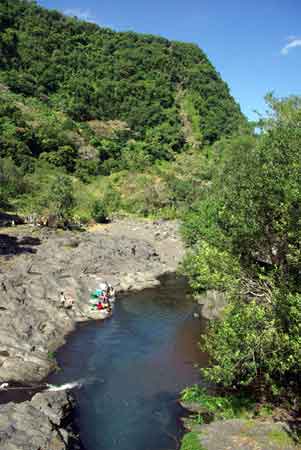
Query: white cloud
point(82, 14)
point(293, 42)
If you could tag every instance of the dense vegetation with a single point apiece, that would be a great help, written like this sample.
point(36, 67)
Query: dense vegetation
point(92, 100)
point(246, 235)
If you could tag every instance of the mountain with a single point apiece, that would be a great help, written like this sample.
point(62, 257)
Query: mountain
point(81, 96)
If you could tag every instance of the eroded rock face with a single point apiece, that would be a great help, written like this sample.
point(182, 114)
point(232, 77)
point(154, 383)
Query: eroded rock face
point(42, 263)
point(45, 423)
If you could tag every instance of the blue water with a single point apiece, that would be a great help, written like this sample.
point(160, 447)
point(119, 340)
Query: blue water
point(132, 368)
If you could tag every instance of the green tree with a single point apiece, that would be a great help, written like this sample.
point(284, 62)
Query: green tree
point(99, 212)
point(65, 156)
point(248, 229)
point(60, 198)
point(12, 181)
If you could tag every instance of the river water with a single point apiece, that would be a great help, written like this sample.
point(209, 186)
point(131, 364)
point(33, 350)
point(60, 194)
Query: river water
point(132, 368)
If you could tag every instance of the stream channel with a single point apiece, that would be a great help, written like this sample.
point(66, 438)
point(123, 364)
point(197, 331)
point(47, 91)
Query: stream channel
point(131, 369)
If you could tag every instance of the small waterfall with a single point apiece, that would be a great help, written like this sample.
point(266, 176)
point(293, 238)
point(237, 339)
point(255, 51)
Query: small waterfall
point(44, 387)
point(63, 387)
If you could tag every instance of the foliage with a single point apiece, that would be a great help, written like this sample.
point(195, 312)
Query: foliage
point(85, 169)
point(261, 195)
point(191, 441)
point(51, 356)
point(58, 199)
point(211, 268)
point(191, 118)
point(30, 131)
point(282, 439)
point(219, 407)
point(99, 212)
point(246, 235)
point(12, 182)
point(59, 74)
point(254, 344)
point(65, 156)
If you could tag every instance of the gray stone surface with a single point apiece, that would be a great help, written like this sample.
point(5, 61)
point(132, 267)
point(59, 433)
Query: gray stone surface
point(240, 434)
point(36, 264)
point(39, 424)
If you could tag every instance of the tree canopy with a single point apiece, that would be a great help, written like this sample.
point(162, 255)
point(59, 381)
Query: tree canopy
point(89, 73)
point(246, 232)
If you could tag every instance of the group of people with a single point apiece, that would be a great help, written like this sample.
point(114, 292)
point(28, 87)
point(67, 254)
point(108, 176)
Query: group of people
point(101, 298)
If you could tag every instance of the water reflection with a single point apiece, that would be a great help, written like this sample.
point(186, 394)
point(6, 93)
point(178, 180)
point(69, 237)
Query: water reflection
point(133, 367)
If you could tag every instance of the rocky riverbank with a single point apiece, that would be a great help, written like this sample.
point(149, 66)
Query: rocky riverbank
point(247, 429)
point(35, 266)
point(44, 423)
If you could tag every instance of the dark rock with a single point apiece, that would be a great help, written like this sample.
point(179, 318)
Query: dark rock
point(45, 423)
point(7, 220)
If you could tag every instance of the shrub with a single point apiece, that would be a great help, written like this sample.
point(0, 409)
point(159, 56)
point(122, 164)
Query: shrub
point(99, 212)
point(257, 344)
point(12, 181)
point(211, 268)
point(219, 407)
point(191, 441)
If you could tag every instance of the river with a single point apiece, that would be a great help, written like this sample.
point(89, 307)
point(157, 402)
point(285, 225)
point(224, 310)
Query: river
point(132, 368)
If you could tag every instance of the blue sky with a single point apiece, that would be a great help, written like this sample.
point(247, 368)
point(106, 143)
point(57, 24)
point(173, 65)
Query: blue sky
point(255, 45)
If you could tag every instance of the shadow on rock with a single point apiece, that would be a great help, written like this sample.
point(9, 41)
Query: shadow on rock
point(11, 245)
point(7, 220)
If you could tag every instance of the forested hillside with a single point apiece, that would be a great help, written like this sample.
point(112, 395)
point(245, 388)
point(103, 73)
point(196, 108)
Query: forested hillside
point(89, 99)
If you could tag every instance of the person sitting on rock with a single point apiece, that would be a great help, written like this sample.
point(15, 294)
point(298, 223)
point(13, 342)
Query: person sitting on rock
point(103, 295)
point(69, 302)
point(62, 299)
point(66, 302)
point(100, 306)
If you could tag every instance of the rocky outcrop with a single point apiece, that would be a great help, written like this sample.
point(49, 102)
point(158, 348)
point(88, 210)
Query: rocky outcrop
point(246, 435)
point(260, 433)
point(35, 266)
point(38, 264)
point(44, 423)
